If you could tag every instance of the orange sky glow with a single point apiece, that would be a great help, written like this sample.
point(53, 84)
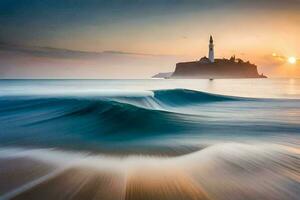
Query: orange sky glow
point(181, 34)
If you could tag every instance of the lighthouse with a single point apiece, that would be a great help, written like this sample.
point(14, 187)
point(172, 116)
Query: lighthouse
point(211, 54)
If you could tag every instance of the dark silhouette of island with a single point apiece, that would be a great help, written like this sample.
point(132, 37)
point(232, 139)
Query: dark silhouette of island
point(163, 75)
point(220, 68)
point(211, 68)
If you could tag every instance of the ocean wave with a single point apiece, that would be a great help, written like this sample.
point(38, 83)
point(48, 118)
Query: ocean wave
point(83, 122)
point(100, 122)
point(108, 114)
point(150, 99)
point(188, 97)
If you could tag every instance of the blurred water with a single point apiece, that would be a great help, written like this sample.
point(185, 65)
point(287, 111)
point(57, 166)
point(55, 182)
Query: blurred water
point(264, 88)
point(150, 139)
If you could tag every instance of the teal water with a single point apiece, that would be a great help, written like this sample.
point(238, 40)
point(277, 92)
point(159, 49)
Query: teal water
point(93, 114)
point(246, 126)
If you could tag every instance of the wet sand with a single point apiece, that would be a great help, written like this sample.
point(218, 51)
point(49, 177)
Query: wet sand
point(228, 171)
point(77, 183)
point(15, 172)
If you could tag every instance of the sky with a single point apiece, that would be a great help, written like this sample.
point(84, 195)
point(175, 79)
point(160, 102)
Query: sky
point(139, 38)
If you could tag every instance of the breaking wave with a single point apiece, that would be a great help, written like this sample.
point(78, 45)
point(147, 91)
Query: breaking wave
point(100, 122)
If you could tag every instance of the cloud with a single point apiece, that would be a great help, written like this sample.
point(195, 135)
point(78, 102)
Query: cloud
point(50, 52)
point(282, 59)
point(21, 61)
point(56, 18)
point(133, 53)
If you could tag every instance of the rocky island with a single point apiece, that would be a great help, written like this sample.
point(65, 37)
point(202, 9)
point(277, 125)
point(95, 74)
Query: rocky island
point(220, 68)
point(211, 68)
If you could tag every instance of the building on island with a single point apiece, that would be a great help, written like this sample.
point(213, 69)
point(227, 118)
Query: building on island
point(211, 53)
point(216, 68)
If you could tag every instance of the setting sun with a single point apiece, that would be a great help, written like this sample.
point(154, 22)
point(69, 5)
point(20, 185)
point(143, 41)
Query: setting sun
point(292, 60)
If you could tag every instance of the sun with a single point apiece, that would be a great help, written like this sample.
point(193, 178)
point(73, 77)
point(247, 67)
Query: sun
point(292, 60)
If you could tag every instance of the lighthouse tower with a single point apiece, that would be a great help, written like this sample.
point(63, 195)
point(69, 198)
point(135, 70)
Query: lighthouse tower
point(211, 54)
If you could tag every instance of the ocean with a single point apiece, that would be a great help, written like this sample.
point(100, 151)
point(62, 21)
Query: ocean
point(150, 139)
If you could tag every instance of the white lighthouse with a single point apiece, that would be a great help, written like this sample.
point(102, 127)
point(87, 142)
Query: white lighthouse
point(211, 54)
